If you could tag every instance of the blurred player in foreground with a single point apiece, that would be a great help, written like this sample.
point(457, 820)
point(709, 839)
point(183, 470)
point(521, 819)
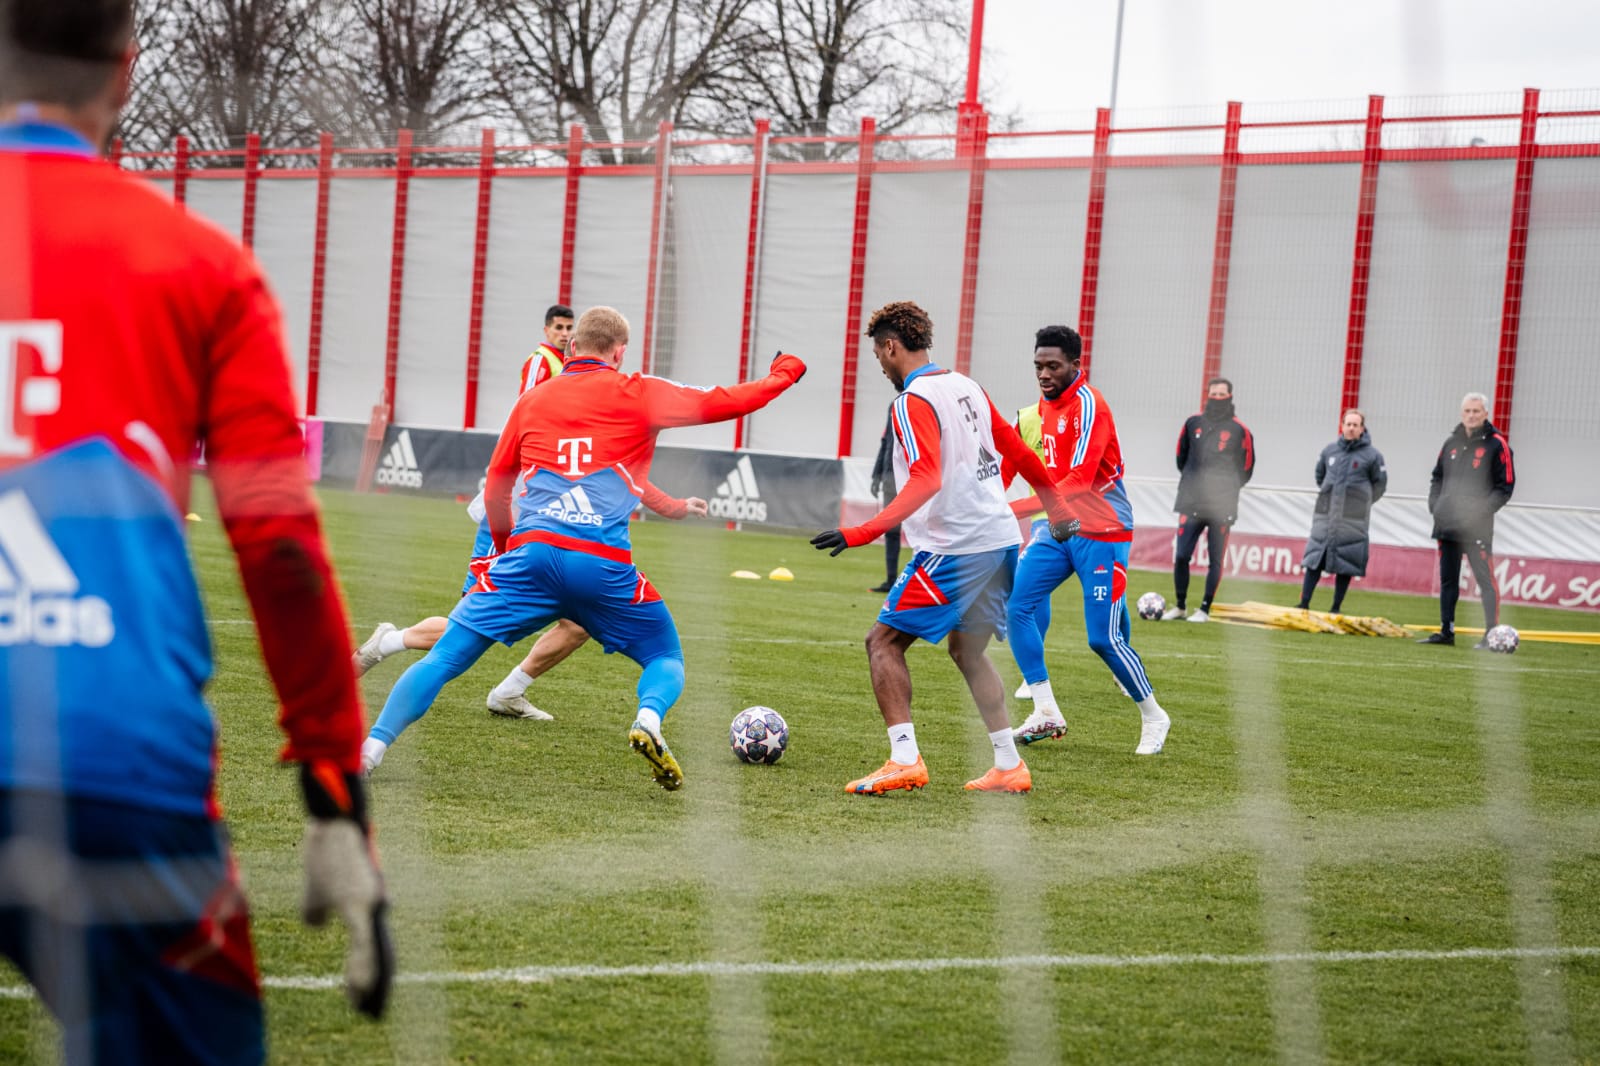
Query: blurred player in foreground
point(1083, 454)
point(130, 332)
point(563, 481)
point(951, 504)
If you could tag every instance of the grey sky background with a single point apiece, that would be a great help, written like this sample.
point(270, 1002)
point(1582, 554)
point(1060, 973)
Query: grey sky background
point(1052, 59)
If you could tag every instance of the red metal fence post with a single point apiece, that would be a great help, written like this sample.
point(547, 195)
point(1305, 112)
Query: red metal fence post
point(180, 172)
point(1361, 268)
point(1092, 230)
point(1505, 378)
point(397, 268)
point(858, 269)
point(978, 164)
point(1222, 251)
point(658, 227)
point(319, 271)
point(252, 175)
point(752, 257)
point(569, 217)
point(480, 266)
point(115, 155)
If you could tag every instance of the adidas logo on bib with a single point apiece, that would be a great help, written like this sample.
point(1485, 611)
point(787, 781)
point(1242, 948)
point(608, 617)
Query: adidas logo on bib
point(737, 497)
point(573, 506)
point(39, 603)
point(399, 468)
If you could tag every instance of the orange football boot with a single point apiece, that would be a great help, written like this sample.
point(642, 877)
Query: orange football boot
point(1016, 779)
point(890, 776)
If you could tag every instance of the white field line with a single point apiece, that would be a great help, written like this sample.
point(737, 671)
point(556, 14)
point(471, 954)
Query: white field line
point(528, 975)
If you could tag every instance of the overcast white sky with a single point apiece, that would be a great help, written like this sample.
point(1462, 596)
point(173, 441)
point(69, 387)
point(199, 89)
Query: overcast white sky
point(1049, 58)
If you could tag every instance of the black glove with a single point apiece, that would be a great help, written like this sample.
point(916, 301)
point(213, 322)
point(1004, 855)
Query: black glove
point(342, 876)
point(830, 538)
point(1065, 530)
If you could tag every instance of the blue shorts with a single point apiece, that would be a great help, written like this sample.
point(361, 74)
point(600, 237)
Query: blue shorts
point(936, 594)
point(527, 588)
point(144, 953)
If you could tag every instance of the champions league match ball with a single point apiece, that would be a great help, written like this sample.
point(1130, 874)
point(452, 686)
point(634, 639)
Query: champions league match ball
point(1502, 639)
point(758, 735)
point(1151, 606)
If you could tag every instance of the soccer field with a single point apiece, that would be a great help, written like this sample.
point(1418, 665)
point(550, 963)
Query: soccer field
point(1352, 849)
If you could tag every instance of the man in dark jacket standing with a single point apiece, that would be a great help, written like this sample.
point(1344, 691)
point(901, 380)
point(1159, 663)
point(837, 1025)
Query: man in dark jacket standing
point(1352, 477)
point(1216, 456)
point(1472, 479)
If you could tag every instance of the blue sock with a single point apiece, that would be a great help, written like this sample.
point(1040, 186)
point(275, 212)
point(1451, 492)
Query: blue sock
point(661, 684)
point(417, 688)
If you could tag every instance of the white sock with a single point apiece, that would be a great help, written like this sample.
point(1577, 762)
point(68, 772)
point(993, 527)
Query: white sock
point(1044, 700)
point(647, 718)
point(515, 684)
point(372, 750)
point(903, 744)
point(1150, 710)
point(392, 643)
point(1005, 749)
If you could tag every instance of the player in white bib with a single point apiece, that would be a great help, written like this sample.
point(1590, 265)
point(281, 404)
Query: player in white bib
point(952, 510)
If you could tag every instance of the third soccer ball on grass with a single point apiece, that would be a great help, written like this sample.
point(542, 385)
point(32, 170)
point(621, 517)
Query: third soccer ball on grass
point(1503, 639)
point(1151, 605)
point(759, 735)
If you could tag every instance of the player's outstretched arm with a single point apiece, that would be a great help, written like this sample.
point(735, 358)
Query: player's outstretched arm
point(916, 430)
point(1029, 465)
point(254, 447)
point(669, 404)
point(670, 506)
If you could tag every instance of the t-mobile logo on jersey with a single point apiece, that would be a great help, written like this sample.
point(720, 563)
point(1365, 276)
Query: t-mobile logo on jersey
point(1049, 452)
point(576, 454)
point(27, 385)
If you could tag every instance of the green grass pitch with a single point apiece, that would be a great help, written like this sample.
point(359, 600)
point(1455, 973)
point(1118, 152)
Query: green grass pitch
point(1352, 850)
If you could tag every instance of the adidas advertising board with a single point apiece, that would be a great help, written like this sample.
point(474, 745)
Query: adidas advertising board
point(399, 468)
point(777, 490)
point(739, 497)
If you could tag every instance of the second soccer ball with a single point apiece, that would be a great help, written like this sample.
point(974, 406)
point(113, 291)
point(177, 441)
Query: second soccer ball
point(1151, 605)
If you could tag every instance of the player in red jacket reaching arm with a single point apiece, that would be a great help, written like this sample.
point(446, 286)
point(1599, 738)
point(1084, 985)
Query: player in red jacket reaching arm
point(562, 483)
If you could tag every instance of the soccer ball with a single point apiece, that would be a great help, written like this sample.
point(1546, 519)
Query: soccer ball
point(1502, 639)
point(1151, 606)
point(759, 735)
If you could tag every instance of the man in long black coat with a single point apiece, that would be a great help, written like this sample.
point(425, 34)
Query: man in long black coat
point(1472, 479)
point(1351, 477)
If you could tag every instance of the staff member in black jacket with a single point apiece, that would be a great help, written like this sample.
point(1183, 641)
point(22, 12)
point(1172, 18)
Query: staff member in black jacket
point(1216, 456)
point(1351, 478)
point(1472, 479)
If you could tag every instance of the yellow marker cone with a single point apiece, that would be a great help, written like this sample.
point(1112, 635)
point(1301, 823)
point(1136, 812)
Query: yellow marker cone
point(781, 574)
point(191, 517)
point(747, 575)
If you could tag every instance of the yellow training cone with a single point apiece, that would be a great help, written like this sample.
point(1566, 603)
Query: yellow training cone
point(781, 574)
point(191, 517)
point(747, 575)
